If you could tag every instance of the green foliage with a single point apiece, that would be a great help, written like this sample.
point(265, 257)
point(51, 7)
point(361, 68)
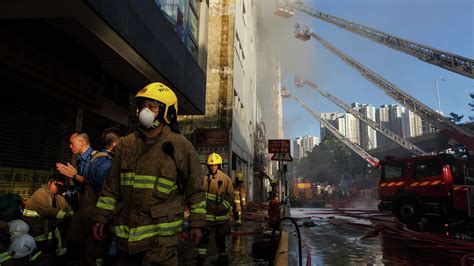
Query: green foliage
point(455, 118)
point(329, 161)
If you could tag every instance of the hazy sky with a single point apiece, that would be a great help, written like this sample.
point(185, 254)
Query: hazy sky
point(442, 24)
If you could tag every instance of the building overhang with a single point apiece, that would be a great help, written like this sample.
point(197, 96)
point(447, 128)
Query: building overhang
point(132, 40)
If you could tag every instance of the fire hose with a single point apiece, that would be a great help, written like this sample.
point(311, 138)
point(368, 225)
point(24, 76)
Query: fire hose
point(415, 239)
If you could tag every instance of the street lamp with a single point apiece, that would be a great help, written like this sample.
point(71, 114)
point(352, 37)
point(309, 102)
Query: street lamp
point(437, 94)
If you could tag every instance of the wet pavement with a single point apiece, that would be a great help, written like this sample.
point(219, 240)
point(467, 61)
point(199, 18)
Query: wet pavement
point(334, 242)
point(239, 245)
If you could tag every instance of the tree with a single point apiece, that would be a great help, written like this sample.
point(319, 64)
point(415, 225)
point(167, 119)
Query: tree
point(329, 161)
point(455, 118)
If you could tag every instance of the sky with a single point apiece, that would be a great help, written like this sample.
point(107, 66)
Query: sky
point(442, 24)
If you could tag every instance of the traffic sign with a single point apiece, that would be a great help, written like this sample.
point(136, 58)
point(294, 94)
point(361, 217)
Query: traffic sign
point(286, 156)
point(278, 146)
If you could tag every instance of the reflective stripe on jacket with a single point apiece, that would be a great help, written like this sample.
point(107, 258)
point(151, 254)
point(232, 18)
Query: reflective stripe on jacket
point(219, 196)
point(39, 211)
point(4, 256)
point(140, 195)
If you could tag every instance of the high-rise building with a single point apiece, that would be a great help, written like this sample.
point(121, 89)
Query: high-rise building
point(401, 121)
point(382, 118)
point(346, 124)
point(308, 143)
point(303, 145)
point(333, 119)
point(233, 118)
point(297, 148)
point(395, 113)
point(412, 124)
point(368, 135)
point(352, 128)
point(394, 117)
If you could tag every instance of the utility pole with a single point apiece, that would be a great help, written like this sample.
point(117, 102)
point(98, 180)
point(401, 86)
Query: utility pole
point(437, 94)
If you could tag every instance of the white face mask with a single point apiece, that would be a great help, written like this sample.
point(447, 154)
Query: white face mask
point(146, 117)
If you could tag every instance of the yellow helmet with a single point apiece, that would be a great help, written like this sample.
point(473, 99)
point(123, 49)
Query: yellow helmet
point(214, 158)
point(239, 176)
point(163, 95)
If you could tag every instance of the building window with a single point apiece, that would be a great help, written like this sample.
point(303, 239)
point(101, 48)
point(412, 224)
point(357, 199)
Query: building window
point(192, 47)
point(184, 17)
point(193, 24)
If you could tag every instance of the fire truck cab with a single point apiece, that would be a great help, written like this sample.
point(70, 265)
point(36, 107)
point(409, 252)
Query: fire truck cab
point(426, 186)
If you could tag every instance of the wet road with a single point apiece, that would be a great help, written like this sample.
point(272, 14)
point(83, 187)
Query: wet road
point(332, 242)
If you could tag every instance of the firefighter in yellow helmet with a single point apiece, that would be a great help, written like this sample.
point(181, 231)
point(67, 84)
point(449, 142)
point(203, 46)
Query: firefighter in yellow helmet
point(240, 200)
point(155, 172)
point(219, 194)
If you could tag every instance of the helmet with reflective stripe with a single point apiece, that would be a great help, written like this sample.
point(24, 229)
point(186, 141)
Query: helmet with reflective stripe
point(22, 246)
point(214, 158)
point(17, 227)
point(161, 93)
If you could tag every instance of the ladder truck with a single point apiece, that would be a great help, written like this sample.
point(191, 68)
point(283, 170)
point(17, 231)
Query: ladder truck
point(436, 119)
point(432, 187)
point(303, 191)
point(437, 187)
point(449, 61)
point(300, 82)
point(374, 162)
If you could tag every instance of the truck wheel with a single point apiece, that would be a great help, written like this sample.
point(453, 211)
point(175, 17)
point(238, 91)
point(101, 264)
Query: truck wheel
point(409, 210)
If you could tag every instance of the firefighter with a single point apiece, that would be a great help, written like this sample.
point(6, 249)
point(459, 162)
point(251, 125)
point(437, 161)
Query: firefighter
point(273, 194)
point(274, 206)
point(155, 172)
point(43, 212)
point(93, 251)
point(219, 194)
point(240, 200)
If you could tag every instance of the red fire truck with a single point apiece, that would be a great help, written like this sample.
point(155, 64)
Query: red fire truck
point(431, 186)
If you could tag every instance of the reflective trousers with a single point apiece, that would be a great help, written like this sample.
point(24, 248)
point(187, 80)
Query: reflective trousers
point(221, 231)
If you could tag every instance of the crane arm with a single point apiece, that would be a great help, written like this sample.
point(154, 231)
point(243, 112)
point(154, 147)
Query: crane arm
point(358, 150)
point(383, 130)
point(423, 111)
point(452, 62)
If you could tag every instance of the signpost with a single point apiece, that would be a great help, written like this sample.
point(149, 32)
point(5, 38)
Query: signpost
point(278, 145)
point(286, 157)
point(281, 152)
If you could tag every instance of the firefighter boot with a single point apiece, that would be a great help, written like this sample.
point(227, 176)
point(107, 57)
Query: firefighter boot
point(238, 221)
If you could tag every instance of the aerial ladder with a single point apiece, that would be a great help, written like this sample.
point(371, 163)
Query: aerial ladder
point(437, 120)
point(354, 147)
point(300, 82)
point(452, 62)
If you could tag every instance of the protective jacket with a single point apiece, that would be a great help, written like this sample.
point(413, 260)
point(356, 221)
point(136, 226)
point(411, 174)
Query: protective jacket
point(5, 258)
point(240, 198)
point(100, 165)
point(143, 196)
point(43, 212)
point(219, 194)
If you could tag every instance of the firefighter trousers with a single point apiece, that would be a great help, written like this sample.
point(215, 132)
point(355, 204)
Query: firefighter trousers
point(221, 231)
point(157, 255)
